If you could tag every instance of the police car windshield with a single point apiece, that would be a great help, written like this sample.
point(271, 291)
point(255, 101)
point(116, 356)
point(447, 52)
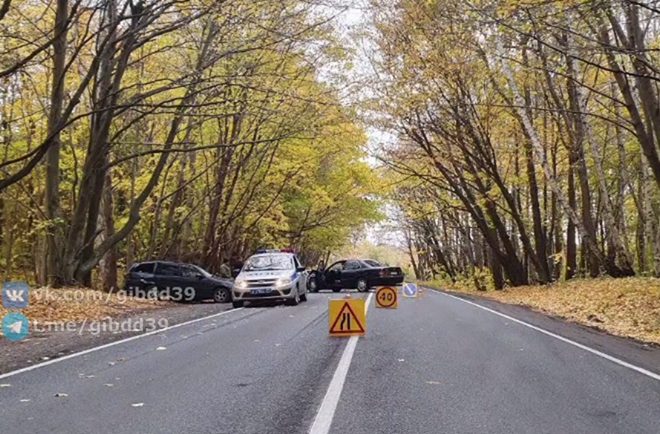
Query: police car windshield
point(269, 262)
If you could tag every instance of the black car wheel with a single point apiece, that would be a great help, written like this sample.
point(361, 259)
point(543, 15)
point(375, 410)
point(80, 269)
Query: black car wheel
point(311, 284)
point(221, 295)
point(153, 293)
point(362, 285)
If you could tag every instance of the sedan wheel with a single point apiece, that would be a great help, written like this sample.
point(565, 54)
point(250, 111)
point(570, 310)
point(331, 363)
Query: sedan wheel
point(362, 285)
point(221, 295)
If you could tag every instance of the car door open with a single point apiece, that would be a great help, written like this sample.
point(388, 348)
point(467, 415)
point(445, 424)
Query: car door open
point(333, 275)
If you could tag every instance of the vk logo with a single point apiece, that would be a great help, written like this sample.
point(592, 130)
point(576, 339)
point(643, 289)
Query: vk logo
point(15, 295)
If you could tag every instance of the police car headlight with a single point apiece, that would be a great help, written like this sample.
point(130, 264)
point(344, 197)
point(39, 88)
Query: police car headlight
point(283, 281)
point(240, 284)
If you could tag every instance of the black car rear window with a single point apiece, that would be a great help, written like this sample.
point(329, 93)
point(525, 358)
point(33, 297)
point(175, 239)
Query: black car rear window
point(143, 268)
point(372, 263)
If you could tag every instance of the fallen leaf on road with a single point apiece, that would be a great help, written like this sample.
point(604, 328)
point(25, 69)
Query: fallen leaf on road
point(256, 340)
point(277, 345)
point(161, 348)
point(290, 316)
point(401, 360)
point(5, 385)
point(111, 363)
point(25, 400)
point(45, 358)
point(61, 395)
point(108, 385)
point(121, 359)
point(89, 376)
point(139, 404)
point(432, 382)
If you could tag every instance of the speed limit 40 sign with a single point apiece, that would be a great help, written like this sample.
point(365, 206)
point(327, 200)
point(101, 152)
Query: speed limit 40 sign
point(387, 297)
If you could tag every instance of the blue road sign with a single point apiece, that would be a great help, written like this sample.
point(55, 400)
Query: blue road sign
point(410, 290)
point(15, 326)
point(15, 295)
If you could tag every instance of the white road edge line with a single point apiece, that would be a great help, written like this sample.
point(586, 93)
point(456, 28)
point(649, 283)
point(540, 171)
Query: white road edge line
point(561, 338)
point(326, 412)
point(111, 344)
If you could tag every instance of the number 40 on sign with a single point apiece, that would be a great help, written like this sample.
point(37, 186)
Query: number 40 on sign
point(387, 297)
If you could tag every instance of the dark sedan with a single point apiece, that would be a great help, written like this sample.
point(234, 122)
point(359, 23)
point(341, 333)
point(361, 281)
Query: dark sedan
point(360, 274)
point(176, 281)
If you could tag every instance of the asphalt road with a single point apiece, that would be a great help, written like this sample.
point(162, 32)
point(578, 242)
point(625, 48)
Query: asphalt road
point(435, 365)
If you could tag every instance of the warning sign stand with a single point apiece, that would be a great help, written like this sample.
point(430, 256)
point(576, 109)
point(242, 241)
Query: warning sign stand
point(347, 317)
point(387, 297)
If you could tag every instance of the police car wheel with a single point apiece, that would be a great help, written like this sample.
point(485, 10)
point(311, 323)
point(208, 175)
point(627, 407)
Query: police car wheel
point(293, 301)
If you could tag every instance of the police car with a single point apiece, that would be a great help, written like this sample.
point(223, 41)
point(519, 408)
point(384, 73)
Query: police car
point(271, 275)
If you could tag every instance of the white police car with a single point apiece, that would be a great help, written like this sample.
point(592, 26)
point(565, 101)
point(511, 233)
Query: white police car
point(271, 275)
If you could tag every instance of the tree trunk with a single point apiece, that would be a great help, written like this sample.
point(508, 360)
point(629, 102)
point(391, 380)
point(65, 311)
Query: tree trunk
point(584, 133)
point(110, 282)
point(52, 188)
point(538, 149)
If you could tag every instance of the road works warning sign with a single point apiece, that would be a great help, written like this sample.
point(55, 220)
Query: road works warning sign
point(347, 317)
point(387, 297)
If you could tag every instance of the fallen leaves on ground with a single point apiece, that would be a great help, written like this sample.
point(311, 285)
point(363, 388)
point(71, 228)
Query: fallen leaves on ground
point(623, 307)
point(49, 305)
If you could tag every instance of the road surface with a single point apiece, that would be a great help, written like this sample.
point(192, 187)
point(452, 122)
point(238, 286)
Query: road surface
point(435, 365)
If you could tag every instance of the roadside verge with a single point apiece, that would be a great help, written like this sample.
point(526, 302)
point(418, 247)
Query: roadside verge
point(622, 307)
point(642, 354)
point(55, 333)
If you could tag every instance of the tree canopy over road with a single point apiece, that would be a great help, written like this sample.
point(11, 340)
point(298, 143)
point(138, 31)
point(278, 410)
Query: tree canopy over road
point(190, 130)
point(526, 134)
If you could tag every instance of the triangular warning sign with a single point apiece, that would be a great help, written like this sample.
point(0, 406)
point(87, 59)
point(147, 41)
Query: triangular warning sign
point(347, 322)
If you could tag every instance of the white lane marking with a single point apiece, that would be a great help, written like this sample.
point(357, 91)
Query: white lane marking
point(111, 344)
point(328, 407)
point(561, 338)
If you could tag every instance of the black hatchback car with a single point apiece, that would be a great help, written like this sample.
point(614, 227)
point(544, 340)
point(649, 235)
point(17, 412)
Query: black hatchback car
point(175, 281)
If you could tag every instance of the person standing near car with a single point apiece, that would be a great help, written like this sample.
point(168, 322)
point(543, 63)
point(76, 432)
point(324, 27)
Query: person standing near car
point(319, 275)
point(225, 271)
